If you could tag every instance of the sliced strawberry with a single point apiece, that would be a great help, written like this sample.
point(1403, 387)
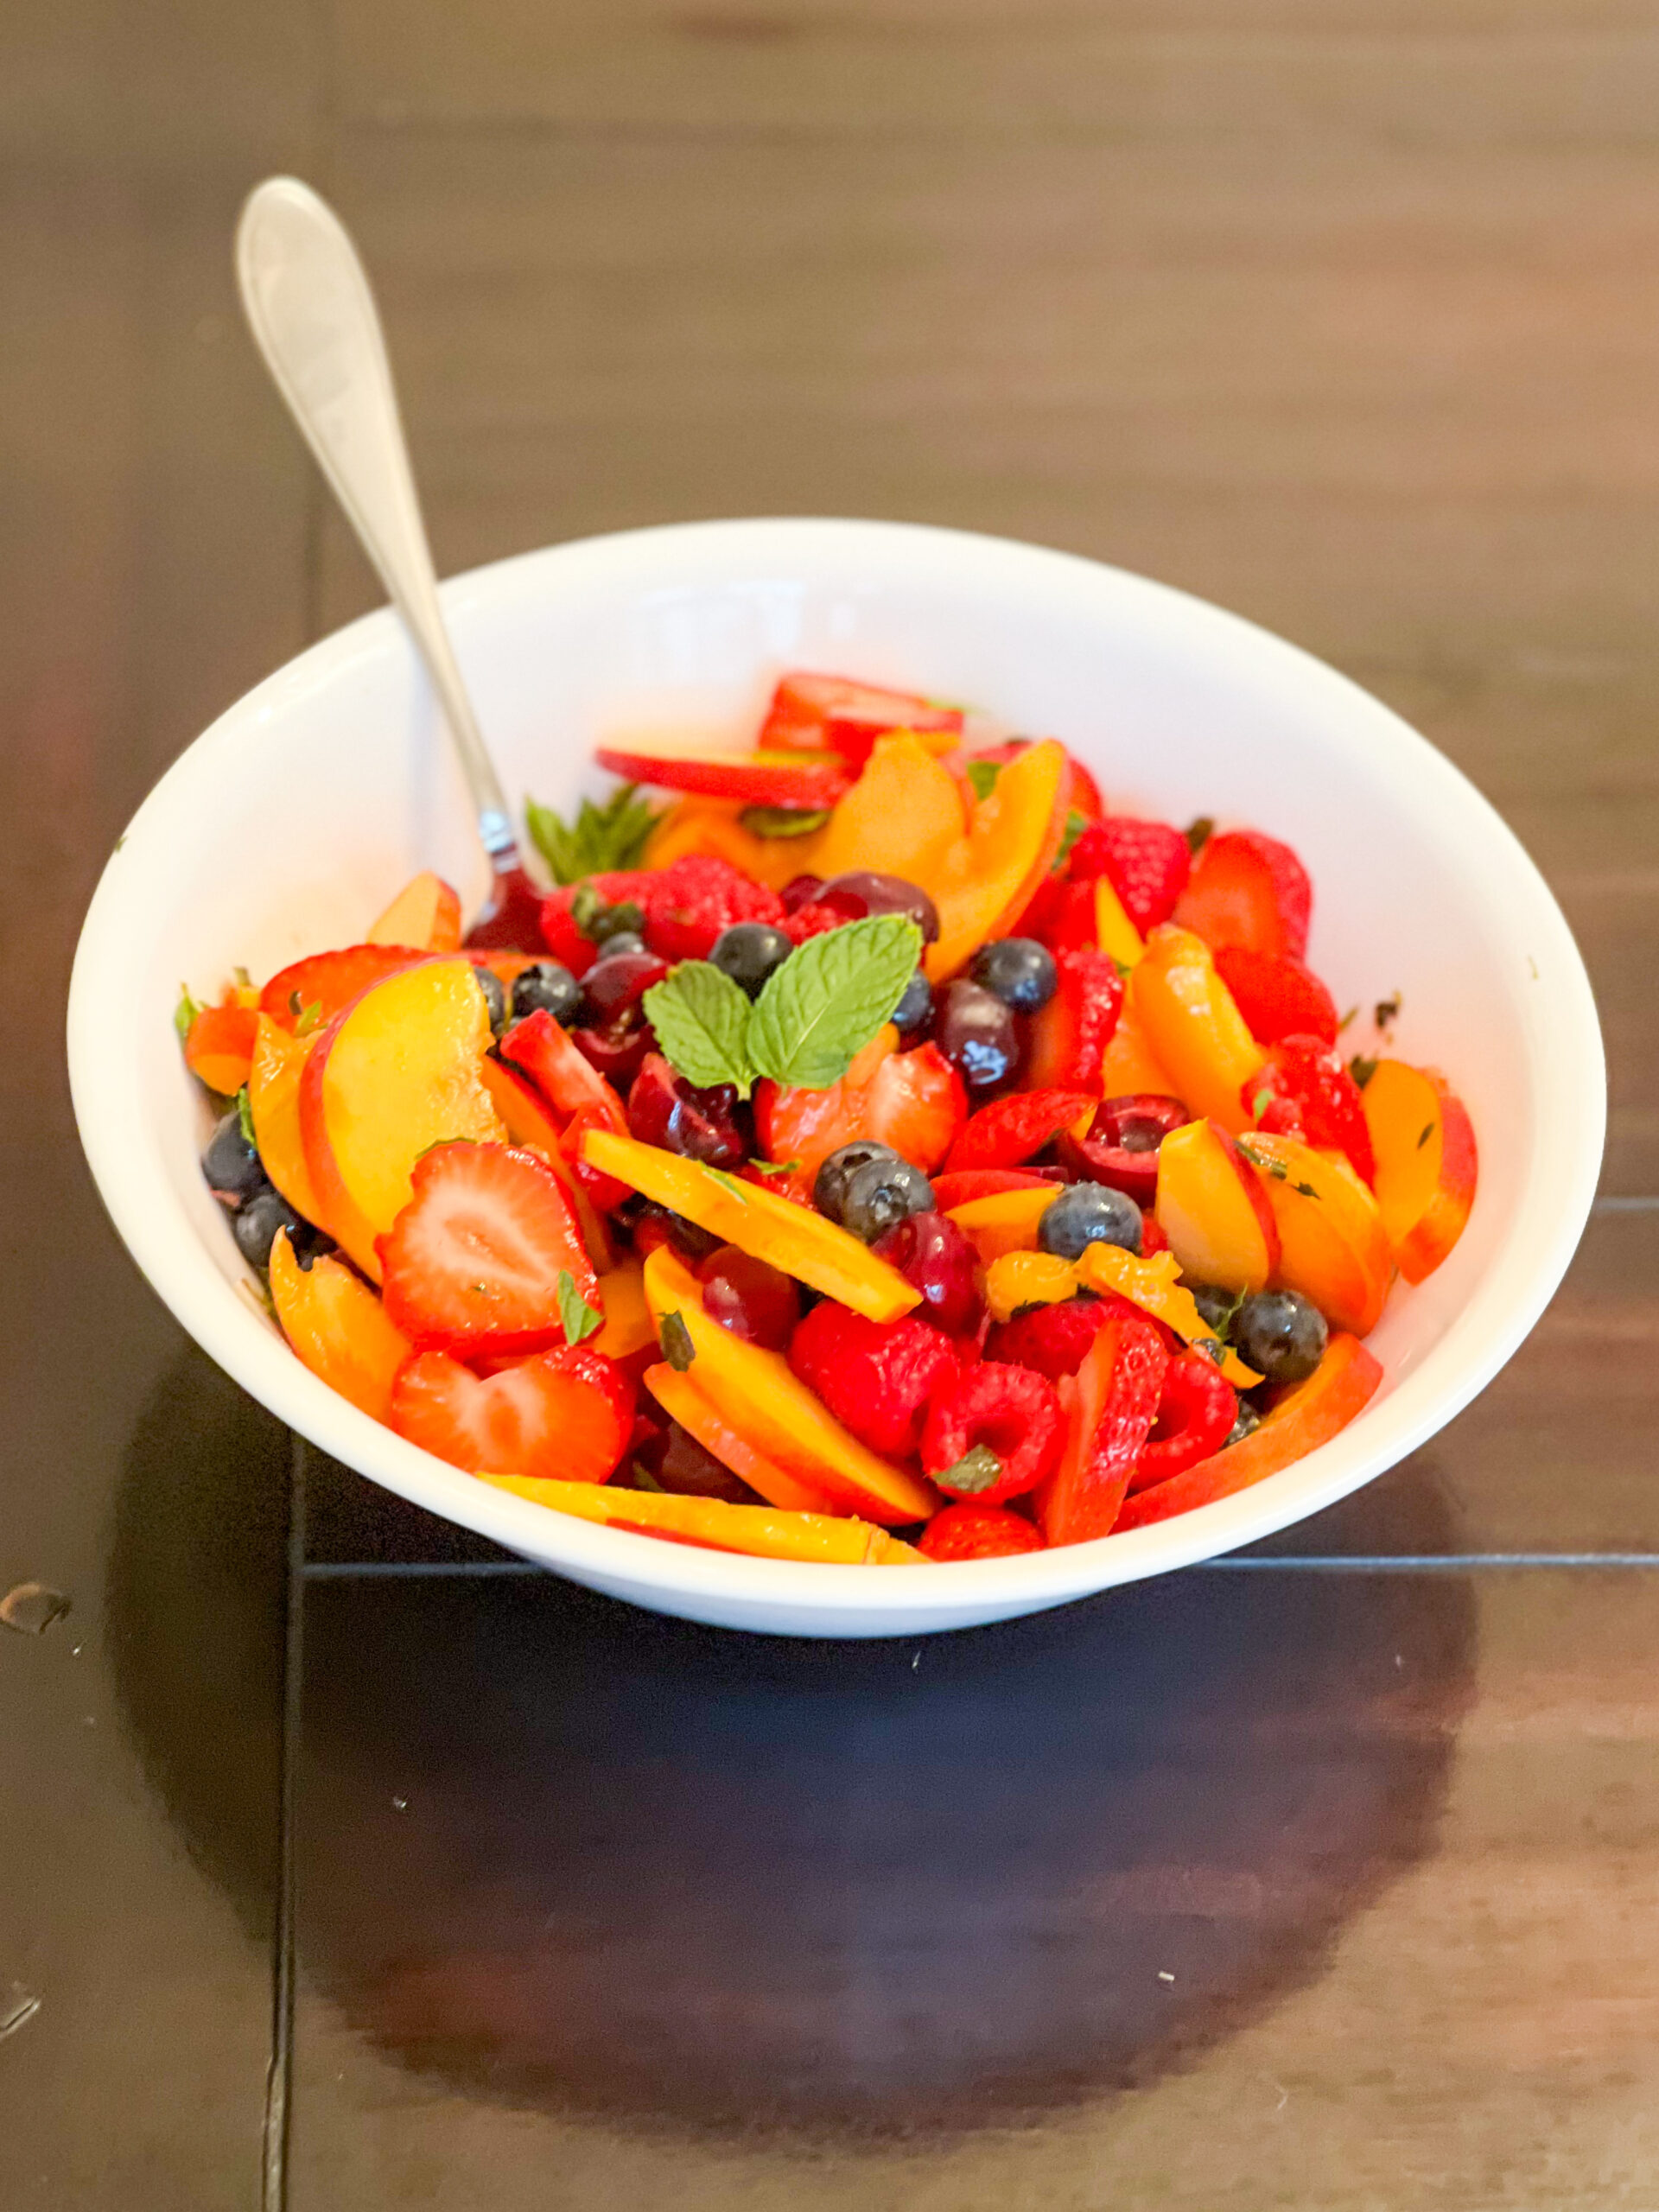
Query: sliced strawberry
point(1303, 1090)
point(1010, 1129)
point(1277, 996)
point(562, 1071)
point(877, 1377)
point(472, 1264)
point(1085, 792)
point(688, 905)
point(917, 1104)
point(1145, 863)
point(1111, 1403)
point(564, 1415)
point(969, 1530)
point(1070, 1036)
point(839, 715)
point(1250, 890)
point(330, 981)
point(912, 1100)
point(782, 778)
point(961, 1190)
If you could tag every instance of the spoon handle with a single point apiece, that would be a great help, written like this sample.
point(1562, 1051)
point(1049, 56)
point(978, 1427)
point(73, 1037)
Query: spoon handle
point(308, 301)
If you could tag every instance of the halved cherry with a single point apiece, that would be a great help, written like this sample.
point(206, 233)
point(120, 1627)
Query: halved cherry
point(802, 779)
point(1122, 1146)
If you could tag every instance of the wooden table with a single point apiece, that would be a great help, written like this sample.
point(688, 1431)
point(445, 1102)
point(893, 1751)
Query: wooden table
point(351, 1865)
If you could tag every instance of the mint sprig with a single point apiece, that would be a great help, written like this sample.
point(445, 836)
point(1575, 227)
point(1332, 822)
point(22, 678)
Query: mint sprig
point(818, 1010)
point(185, 1012)
point(601, 839)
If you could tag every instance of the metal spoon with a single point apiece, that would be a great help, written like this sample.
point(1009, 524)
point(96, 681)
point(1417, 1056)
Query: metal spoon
point(308, 302)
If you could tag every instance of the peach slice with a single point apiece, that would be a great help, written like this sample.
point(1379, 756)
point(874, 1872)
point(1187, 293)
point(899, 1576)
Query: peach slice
point(530, 1121)
point(1312, 1413)
point(394, 1073)
point(274, 1075)
point(1333, 1246)
point(711, 1524)
point(1006, 1221)
point(426, 912)
point(1187, 1016)
point(787, 1236)
point(1212, 1208)
point(789, 1425)
point(712, 826)
point(1113, 932)
point(628, 1326)
point(902, 818)
point(1151, 1284)
point(681, 1399)
point(337, 1327)
point(1131, 1069)
point(1426, 1162)
point(987, 877)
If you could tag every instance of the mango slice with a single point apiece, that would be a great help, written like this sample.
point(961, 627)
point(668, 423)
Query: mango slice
point(1187, 1016)
point(769, 1406)
point(759, 1222)
point(1113, 932)
point(760, 1531)
point(337, 1327)
point(712, 826)
point(628, 1326)
point(1006, 1221)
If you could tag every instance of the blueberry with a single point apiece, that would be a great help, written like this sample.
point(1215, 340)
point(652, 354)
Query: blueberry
point(976, 1034)
point(1090, 1213)
point(881, 1193)
point(232, 1165)
point(1279, 1334)
point(916, 1005)
point(256, 1226)
point(1248, 1419)
point(621, 941)
point(748, 952)
point(1019, 971)
point(1217, 1304)
point(495, 997)
point(829, 1190)
point(546, 986)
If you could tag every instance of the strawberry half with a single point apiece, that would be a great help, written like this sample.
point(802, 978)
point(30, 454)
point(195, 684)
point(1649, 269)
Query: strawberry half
point(1250, 890)
point(833, 712)
point(1277, 996)
point(566, 1414)
point(1009, 1130)
point(472, 1264)
point(1070, 1036)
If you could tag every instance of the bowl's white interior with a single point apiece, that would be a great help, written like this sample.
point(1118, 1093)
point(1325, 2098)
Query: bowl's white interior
point(285, 828)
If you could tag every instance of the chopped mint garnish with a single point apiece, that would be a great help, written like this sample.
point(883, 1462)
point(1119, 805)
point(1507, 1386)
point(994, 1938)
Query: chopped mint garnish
point(983, 775)
point(976, 1470)
point(244, 1117)
point(185, 1012)
point(676, 1339)
point(1199, 833)
point(580, 1319)
point(783, 821)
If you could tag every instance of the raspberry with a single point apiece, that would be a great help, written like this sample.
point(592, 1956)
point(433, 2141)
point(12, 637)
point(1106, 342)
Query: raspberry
point(1050, 1339)
point(811, 920)
point(1147, 862)
point(970, 1531)
point(875, 1376)
point(1277, 996)
point(1312, 1094)
point(689, 904)
point(994, 1434)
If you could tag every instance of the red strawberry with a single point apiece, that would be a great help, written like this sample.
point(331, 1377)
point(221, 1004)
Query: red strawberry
point(1248, 889)
point(1277, 996)
point(1010, 1129)
point(875, 1376)
point(562, 1071)
point(1052, 1339)
point(564, 1415)
point(816, 711)
point(559, 933)
point(1070, 1036)
point(472, 1264)
point(969, 1530)
point(1111, 1403)
point(1195, 1418)
point(1309, 1094)
point(917, 1104)
point(912, 1100)
point(1065, 922)
point(330, 981)
point(1011, 1413)
point(1146, 862)
point(689, 904)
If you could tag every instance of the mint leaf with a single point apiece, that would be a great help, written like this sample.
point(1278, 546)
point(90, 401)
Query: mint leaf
point(1361, 1069)
point(1076, 824)
point(1428, 1130)
point(702, 1021)
point(783, 821)
point(244, 1117)
point(776, 1167)
point(602, 838)
point(1259, 1103)
point(976, 1470)
point(306, 1018)
point(983, 775)
point(1199, 833)
point(579, 1317)
point(185, 1012)
point(1386, 1010)
point(675, 1340)
point(830, 998)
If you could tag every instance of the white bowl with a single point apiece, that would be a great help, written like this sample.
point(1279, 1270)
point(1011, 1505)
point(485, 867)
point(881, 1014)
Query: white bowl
point(287, 825)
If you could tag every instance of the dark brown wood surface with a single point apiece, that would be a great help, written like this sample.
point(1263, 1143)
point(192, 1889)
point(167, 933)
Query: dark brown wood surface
point(1345, 316)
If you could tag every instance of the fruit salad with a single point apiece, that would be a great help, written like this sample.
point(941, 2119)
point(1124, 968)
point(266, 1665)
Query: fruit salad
point(888, 1155)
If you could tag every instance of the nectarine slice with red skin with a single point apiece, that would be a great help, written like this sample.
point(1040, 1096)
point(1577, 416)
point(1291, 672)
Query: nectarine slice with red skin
point(1309, 1414)
point(337, 1327)
point(1428, 1163)
point(711, 828)
point(987, 877)
point(786, 1423)
point(425, 912)
point(1187, 1016)
point(1333, 1246)
point(681, 1399)
point(219, 1046)
point(902, 818)
point(393, 1074)
point(1111, 1403)
point(712, 1524)
point(330, 981)
point(782, 778)
point(274, 1106)
point(788, 1236)
point(1130, 1066)
point(1213, 1210)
